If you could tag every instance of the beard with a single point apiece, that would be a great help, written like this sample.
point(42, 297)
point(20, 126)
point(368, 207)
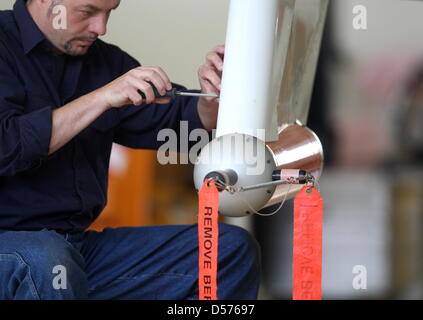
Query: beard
point(77, 50)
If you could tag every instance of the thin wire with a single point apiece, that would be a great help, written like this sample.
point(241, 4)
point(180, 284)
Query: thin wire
point(220, 184)
point(223, 186)
point(267, 214)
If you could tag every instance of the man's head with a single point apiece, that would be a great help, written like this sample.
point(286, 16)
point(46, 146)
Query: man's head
point(85, 21)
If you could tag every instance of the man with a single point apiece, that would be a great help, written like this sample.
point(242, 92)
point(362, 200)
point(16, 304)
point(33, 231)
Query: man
point(65, 97)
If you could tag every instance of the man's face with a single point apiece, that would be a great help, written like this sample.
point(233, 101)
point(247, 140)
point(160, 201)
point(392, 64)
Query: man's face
point(86, 20)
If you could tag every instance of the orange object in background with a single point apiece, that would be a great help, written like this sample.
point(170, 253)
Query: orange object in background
point(131, 189)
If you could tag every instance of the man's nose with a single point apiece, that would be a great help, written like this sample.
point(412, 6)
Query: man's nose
point(98, 25)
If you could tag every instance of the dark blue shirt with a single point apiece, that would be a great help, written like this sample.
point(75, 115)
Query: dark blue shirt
point(67, 190)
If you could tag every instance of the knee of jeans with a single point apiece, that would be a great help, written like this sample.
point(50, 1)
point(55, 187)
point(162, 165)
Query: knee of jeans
point(42, 265)
point(16, 280)
point(40, 250)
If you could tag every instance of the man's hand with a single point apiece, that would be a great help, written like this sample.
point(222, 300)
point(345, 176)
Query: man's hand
point(125, 89)
point(72, 118)
point(210, 77)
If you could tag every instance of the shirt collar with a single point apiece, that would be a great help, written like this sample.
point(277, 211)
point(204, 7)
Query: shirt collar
point(31, 35)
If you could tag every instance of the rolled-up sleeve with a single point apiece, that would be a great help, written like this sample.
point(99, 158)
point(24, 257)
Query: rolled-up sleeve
point(24, 135)
point(35, 132)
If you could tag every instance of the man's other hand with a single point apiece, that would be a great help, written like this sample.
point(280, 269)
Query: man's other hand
point(210, 77)
point(126, 89)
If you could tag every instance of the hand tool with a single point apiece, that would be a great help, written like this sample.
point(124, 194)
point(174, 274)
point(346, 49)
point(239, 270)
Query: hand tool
point(173, 93)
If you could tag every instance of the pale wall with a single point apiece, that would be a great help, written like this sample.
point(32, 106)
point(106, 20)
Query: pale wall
point(175, 35)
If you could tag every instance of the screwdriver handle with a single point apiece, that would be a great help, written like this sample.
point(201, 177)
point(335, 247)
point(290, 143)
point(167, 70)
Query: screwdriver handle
point(169, 93)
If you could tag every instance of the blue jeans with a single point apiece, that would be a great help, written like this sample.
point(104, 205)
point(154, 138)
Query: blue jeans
point(158, 262)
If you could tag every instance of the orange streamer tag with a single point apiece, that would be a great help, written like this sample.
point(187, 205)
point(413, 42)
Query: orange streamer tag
point(208, 238)
point(307, 264)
